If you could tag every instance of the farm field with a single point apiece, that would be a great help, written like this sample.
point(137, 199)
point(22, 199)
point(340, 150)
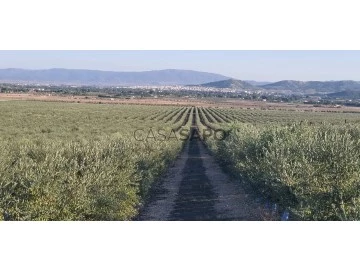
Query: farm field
point(62, 161)
point(308, 164)
point(226, 103)
point(79, 161)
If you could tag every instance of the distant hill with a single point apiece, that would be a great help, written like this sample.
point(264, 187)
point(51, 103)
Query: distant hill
point(96, 77)
point(231, 83)
point(348, 94)
point(317, 86)
point(257, 83)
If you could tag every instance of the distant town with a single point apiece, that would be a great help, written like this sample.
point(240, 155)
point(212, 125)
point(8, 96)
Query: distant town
point(177, 91)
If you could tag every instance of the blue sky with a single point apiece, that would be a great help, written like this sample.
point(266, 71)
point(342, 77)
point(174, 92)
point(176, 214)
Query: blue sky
point(245, 65)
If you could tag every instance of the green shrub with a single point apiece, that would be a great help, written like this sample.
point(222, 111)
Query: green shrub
point(86, 166)
point(313, 170)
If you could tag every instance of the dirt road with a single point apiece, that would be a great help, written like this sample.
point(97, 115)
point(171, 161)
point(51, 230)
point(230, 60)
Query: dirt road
point(195, 188)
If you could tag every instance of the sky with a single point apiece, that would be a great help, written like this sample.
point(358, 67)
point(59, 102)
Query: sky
point(243, 65)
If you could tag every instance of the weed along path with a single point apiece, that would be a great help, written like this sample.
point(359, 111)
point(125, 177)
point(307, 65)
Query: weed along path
point(195, 188)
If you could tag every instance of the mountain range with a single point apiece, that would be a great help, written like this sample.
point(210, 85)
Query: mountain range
point(344, 88)
point(171, 77)
point(97, 77)
point(316, 86)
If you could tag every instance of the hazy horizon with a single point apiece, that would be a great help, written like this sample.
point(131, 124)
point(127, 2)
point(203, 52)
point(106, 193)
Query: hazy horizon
point(244, 65)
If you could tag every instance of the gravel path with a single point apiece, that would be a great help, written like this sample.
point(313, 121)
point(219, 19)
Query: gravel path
point(195, 188)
